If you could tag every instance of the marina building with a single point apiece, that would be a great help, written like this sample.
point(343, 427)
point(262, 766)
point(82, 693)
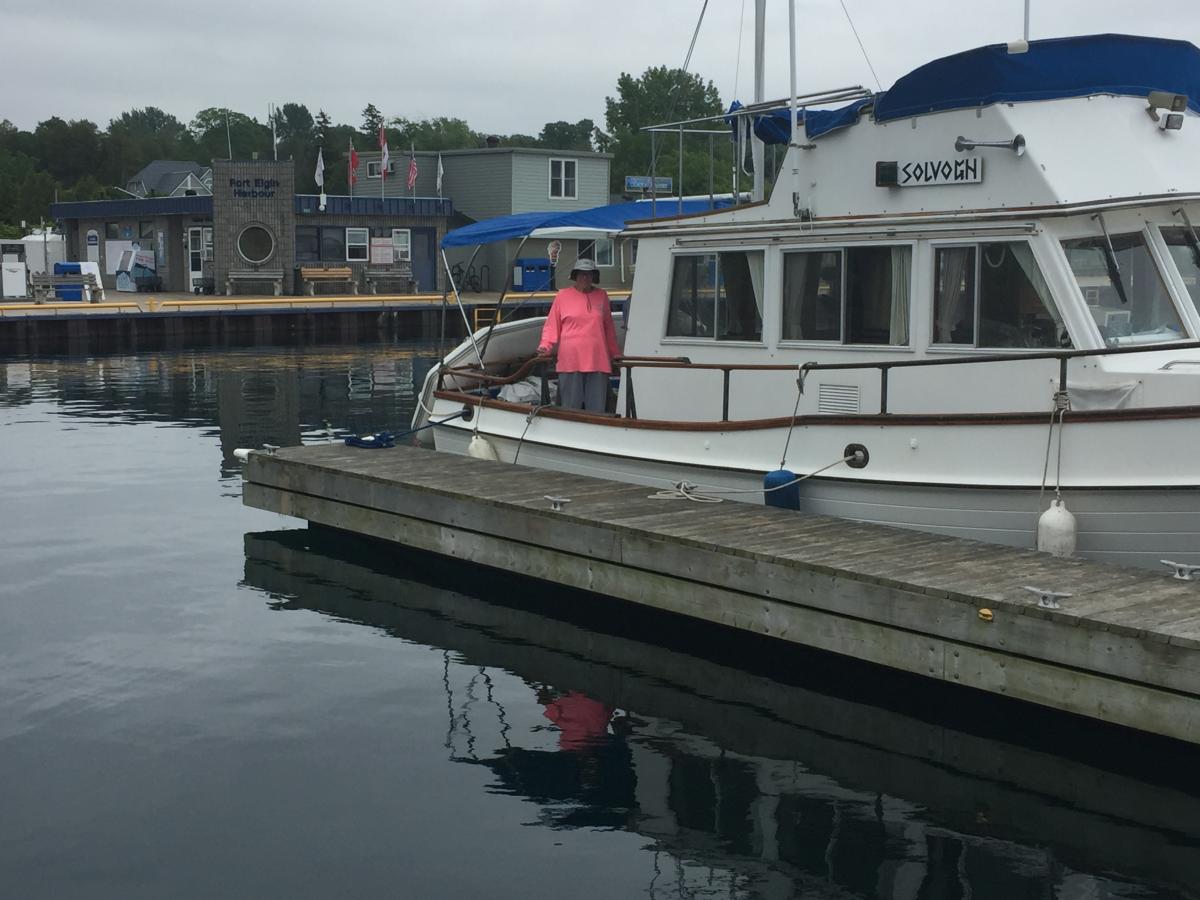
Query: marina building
point(247, 227)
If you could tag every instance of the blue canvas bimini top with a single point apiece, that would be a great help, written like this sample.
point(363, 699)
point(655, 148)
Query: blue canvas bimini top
point(599, 220)
point(1125, 65)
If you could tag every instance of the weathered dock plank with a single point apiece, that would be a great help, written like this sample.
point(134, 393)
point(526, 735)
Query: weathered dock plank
point(947, 608)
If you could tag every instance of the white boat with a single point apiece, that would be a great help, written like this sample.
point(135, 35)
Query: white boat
point(967, 295)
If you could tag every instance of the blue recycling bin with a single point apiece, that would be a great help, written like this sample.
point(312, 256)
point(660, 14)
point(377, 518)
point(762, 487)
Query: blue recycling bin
point(68, 291)
point(532, 274)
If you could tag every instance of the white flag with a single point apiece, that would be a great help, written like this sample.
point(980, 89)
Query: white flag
point(439, 175)
point(319, 175)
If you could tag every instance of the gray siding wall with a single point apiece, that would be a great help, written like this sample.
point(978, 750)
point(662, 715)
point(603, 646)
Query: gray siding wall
point(480, 184)
point(531, 182)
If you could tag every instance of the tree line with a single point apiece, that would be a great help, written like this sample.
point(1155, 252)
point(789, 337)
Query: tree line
point(79, 160)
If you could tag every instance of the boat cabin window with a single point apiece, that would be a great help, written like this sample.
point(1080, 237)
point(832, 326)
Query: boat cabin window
point(1185, 250)
point(1133, 308)
point(717, 296)
point(858, 295)
point(993, 295)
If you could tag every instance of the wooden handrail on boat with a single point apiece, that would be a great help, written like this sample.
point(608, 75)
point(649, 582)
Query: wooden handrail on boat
point(629, 363)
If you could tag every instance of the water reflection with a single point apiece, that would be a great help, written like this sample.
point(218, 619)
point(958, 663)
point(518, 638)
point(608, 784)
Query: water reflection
point(283, 396)
point(744, 786)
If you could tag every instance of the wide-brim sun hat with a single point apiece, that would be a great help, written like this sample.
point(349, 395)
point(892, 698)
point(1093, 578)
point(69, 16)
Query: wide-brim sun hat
point(586, 265)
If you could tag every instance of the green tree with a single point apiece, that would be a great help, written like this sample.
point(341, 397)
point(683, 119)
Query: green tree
point(67, 150)
point(439, 133)
point(217, 131)
point(372, 121)
point(565, 136)
point(661, 95)
point(139, 136)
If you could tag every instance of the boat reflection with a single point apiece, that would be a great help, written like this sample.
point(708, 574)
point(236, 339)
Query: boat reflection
point(744, 785)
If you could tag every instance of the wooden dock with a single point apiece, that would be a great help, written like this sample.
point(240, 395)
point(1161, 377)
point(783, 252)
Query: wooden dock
point(1124, 648)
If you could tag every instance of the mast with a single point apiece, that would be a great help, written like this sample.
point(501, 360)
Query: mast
point(757, 148)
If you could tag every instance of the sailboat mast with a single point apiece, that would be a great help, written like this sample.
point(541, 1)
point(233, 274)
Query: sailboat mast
point(757, 148)
point(793, 148)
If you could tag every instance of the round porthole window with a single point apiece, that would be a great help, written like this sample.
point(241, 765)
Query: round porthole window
point(255, 244)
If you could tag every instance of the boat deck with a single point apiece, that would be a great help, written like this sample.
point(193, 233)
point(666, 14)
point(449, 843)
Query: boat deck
point(1123, 648)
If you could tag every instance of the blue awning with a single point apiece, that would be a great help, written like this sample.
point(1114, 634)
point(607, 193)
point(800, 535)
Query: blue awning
point(599, 220)
point(1051, 69)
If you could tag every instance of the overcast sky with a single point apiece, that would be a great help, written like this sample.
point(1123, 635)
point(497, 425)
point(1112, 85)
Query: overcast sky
point(503, 67)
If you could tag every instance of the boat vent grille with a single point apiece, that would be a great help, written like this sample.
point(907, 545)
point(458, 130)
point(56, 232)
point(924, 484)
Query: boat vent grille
point(838, 398)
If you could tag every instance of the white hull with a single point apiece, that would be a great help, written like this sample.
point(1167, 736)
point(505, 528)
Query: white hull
point(1127, 525)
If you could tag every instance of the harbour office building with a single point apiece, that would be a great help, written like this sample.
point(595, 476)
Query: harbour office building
point(254, 233)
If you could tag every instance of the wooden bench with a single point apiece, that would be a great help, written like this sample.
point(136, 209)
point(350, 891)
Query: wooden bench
point(310, 275)
point(272, 275)
point(402, 274)
point(44, 285)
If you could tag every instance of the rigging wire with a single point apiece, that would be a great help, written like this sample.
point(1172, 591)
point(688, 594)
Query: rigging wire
point(860, 45)
point(687, 60)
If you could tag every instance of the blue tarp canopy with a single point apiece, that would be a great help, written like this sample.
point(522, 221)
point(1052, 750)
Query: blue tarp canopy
point(1061, 67)
point(597, 221)
point(773, 126)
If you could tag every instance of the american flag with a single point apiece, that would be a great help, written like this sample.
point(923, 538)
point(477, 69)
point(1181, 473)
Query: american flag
point(412, 170)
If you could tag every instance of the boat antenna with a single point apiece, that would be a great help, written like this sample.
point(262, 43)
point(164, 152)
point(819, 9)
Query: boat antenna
point(1027, 21)
point(868, 58)
point(793, 145)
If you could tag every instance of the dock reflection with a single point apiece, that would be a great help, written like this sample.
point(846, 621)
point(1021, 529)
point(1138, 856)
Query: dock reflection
point(741, 782)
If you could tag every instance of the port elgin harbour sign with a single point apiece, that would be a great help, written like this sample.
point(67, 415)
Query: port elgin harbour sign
point(939, 171)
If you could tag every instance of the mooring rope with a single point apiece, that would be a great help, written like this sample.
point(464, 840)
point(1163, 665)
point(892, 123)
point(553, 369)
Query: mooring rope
point(688, 490)
point(1062, 403)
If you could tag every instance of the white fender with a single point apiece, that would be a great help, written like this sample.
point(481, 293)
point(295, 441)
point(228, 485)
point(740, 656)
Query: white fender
point(481, 448)
point(1057, 530)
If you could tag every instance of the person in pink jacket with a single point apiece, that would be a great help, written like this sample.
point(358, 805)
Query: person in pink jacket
point(580, 327)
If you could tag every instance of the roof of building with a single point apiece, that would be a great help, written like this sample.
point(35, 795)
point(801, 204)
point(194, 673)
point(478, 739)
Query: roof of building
point(395, 154)
point(129, 207)
point(162, 176)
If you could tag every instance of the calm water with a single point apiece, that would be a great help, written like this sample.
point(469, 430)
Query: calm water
point(203, 700)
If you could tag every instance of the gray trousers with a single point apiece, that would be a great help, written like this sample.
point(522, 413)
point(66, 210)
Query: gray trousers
point(583, 390)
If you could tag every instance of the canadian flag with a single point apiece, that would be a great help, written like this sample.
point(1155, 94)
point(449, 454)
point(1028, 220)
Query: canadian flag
point(383, 162)
point(353, 163)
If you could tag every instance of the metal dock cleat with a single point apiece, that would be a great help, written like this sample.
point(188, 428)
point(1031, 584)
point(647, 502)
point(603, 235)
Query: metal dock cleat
point(1183, 571)
point(1048, 599)
point(556, 503)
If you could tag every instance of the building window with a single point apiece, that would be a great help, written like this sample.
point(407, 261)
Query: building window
point(858, 295)
point(717, 296)
point(374, 167)
point(255, 244)
point(357, 242)
point(308, 244)
point(112, 231)
point(562, 179)
point(994, 295)
point(402, 244)
point(600, 251)
point(146, 231)
point(333, 244)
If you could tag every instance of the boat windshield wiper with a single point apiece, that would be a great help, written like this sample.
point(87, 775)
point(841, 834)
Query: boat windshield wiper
point(1192, 238)
point(1110, 260)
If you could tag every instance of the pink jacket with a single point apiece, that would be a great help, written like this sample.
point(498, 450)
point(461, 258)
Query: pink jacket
point(581, 326)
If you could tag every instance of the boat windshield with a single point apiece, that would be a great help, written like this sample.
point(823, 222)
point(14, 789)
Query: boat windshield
point(1137, 311)
point(1185, 250)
